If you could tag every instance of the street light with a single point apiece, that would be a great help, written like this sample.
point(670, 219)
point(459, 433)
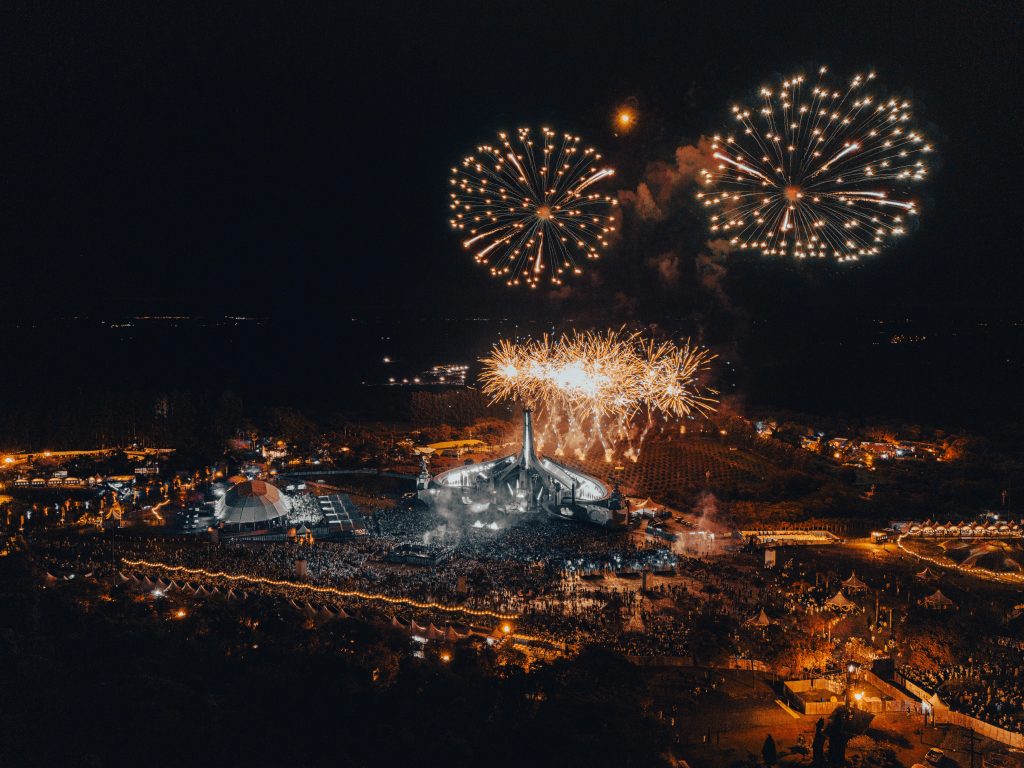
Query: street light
point(851, 668)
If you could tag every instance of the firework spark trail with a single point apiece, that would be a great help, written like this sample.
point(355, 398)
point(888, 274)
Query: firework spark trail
point(594, 384)
point(524, 208)
point(814, 175)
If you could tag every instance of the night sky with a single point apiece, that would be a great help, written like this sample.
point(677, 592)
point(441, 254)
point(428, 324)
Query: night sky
point(267, 158)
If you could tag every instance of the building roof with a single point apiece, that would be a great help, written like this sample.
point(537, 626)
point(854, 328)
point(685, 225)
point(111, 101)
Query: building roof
point(252, 502)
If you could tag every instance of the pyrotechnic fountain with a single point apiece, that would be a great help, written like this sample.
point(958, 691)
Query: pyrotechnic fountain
point(604, 389)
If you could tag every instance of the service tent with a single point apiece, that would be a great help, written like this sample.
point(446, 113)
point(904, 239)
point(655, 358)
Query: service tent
point(840, 602)
point(938, 601)
point(854, 584)
point(761, 620)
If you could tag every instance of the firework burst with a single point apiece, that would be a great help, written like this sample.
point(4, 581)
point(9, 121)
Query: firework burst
point(606, 373)
point(608, 387)
point(815, 171)
point(530, 209)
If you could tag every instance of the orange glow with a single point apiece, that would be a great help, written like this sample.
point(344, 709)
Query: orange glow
point(318, 589)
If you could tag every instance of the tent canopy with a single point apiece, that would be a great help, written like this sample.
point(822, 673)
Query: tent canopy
point(761, 620)
point(938, 600)
point(855, 584)
point(841, 601)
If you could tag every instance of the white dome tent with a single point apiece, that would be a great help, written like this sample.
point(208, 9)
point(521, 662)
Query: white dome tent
point(252, 503)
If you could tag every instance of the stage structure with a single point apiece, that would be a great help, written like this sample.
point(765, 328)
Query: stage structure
point(524, 483)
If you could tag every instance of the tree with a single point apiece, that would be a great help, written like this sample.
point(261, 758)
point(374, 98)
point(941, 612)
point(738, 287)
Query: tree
point(768, 751)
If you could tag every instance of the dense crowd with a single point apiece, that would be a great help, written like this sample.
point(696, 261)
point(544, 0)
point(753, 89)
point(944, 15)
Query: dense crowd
point(581, 585)
point(990, 690)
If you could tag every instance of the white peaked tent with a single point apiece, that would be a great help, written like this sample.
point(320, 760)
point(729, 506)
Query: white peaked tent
point(927, 573)
point(840, 602)
point(761, 620)
point(451, 634)
point(252, 502)
point(938, 601)
point(854, 584)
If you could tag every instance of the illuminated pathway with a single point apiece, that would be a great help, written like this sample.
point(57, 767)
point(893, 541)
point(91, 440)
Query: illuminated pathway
point(258, 580)
point(981, 573)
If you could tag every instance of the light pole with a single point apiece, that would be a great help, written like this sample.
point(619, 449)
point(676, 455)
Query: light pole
point(851, 668)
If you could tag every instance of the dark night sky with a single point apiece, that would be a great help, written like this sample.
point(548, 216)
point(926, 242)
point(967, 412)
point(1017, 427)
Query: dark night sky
point(204, 157)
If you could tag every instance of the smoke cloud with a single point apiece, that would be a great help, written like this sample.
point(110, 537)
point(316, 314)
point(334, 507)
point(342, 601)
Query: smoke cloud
point(659, 198)
point(712, 270)
point(642, 202)
point(667, 267)
point(662, 180)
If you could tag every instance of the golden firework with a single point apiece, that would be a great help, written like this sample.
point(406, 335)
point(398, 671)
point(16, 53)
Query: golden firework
point(598, 374)
point(819, 173)
point(531, 209)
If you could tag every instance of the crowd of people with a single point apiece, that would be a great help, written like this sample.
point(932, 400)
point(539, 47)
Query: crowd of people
point(990, 690)
point(577, 585)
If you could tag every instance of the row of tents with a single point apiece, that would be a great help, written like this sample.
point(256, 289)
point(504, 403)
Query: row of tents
point(448, 633)
point(182, 587)
point(49, 578)
point(933, 528)
point(936, 601)
point(323, 612)
point(317, 612)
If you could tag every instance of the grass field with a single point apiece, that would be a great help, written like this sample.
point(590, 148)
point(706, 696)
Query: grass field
point(683, 464)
